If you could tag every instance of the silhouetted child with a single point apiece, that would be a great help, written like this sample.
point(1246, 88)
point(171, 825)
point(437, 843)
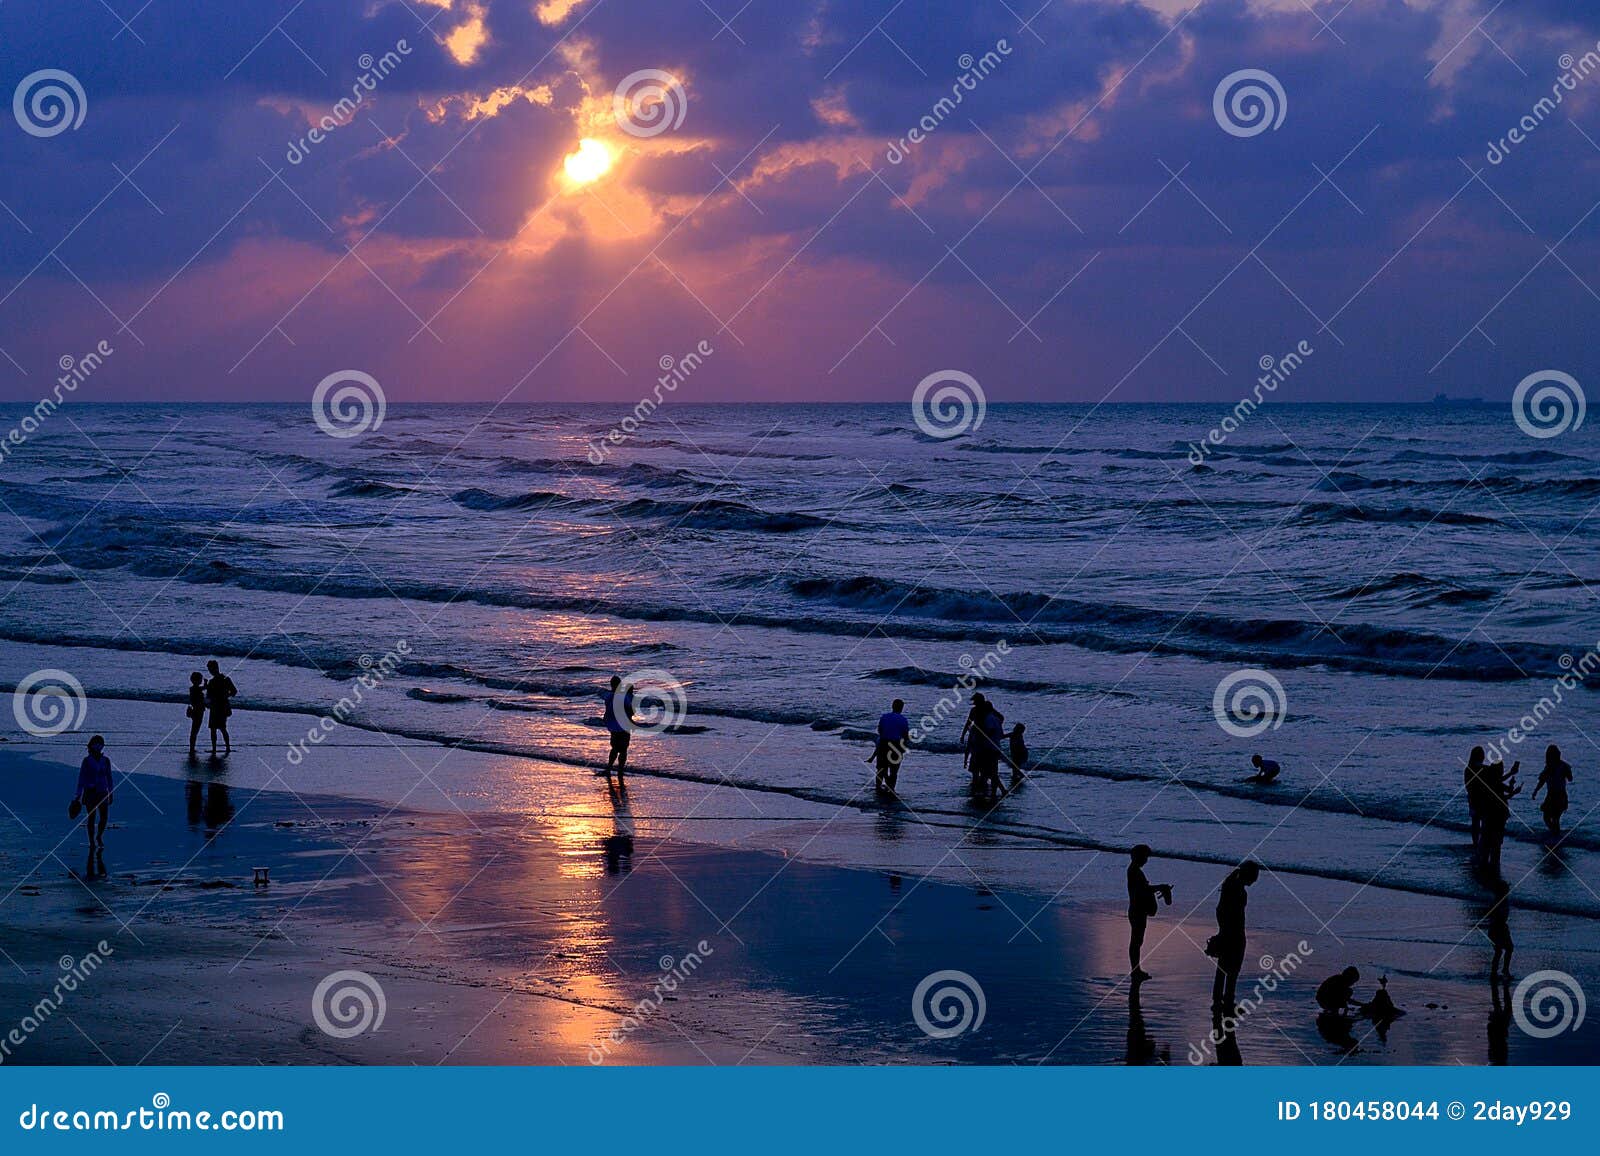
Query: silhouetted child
point(1498, 928)
point(1337, 993)
point(197, 707)
point(1266, 770)
point(1019, 754)
point(1141, 906)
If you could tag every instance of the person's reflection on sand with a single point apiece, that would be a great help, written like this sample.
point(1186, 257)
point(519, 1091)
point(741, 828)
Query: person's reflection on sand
point(889, 824)
point(619, 844)
point(219, 808)
point(1336, 1029)
point(1142, 1049)
point(1499, 1023)
point(194, 794)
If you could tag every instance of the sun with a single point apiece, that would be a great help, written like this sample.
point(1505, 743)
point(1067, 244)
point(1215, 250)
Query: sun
point(591, 162)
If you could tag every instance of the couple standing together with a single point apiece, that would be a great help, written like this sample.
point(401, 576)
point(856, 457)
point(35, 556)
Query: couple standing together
point(213, 697)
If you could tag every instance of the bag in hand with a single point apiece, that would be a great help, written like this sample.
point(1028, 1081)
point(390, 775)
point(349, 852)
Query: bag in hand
point(74, 809)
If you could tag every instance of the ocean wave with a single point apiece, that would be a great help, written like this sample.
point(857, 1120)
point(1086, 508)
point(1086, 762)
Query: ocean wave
point(704, 514)
point(1027, 616)
point(368, 488)
point(1419, 589)
point(1326, 513)
point(1504, 458)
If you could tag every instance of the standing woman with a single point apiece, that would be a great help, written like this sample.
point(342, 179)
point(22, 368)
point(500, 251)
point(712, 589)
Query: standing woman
point(219, 691)
point(1553, 782)
point(95, 794)
point(197, 707)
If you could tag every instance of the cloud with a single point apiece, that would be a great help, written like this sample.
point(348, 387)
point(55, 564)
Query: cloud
point(842, 193)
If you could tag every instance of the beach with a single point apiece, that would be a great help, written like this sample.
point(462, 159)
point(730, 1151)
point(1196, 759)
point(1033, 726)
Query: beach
point(537, 939)
point(422, 624)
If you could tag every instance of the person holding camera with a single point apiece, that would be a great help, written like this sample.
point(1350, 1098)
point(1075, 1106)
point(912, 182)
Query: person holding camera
point(1142, 896)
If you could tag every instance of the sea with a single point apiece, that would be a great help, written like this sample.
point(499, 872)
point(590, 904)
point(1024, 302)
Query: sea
point(1359, 592)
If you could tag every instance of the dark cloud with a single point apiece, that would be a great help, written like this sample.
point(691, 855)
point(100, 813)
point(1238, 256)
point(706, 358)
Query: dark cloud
point(1092, 142)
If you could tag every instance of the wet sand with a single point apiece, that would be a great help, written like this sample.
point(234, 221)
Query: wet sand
point(531, 938)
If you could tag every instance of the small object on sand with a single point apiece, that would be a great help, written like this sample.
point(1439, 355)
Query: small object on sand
point(261, 876)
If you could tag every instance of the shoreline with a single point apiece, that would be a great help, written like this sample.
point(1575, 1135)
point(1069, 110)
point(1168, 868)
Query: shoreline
point(529, 939)
point(794, 802)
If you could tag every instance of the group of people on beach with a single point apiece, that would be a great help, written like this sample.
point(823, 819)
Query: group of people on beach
point(96, 791)
point(985, 744)
point(1490, 789)
point(211, 698)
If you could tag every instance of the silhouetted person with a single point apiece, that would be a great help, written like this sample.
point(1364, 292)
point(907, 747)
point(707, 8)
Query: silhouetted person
point(219, 697)
point(1553, 782)
point(1337, 993)
point(987, 737)
point(618, 720)
point(1142, 896)
point(197, 707)
point(1229, 942)
point(95, 794)
point(1019, 754)
point(893, 732)
point(1267, 770)
point(967, 740)
point(1498, 788)
point(1497, 926)
point(1472, 781)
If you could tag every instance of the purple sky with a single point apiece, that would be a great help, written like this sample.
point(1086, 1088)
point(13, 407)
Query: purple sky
point(1080, 227)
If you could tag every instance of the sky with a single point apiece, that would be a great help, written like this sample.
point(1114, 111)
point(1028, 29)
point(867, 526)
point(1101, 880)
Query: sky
point(1088, 223)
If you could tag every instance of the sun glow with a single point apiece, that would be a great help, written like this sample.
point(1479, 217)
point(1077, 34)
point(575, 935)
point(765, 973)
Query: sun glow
point(591, 162)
